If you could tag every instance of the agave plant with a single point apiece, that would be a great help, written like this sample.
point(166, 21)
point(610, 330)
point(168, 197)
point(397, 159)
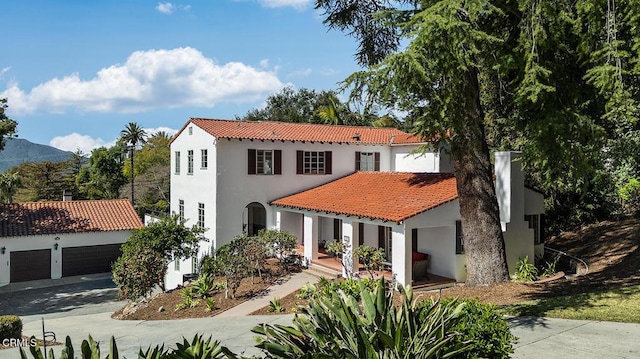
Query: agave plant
point(339, 326)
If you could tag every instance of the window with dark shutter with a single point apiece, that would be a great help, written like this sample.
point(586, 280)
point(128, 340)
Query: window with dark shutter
point(277, 162)
point(299, 162)
point(377, 162)
point(357, 161)
point(252, 162)
point(459, 240)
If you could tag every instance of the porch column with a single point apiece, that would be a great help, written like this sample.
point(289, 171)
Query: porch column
point(311, 226)
point(400, 255)
point(350, 242)
point(278, 220)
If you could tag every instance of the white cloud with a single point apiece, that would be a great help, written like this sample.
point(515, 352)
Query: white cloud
point(166, 8)
point(148, 80)
point(264, 63)
point(4, 71)
point(75, 141)
point(296, 4)
point(300, 73)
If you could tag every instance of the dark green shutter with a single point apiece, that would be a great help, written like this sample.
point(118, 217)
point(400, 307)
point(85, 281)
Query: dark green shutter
point(252, 162)
point(376, 165)
point(357, 160)
point(327, 163)
point(277, 162)
point(299, 162)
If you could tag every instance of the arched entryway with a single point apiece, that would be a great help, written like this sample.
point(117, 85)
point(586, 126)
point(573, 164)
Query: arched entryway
point(254, 219)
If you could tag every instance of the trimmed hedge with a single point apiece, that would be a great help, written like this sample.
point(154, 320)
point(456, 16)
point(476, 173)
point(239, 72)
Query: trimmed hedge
point(10, 327)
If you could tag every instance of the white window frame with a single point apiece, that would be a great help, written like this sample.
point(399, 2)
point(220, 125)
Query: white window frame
point(367, 161)
point(204, 159)
point(190, 162)
point(177, 163)
point(181, 208)
point(200, 215)
point(264, 162)
point(314, 162)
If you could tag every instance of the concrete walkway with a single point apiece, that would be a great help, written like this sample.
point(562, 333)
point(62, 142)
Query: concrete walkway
point(278, 290)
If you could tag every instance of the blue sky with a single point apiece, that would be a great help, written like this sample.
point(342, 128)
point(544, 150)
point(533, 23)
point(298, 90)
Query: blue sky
point(76, 72)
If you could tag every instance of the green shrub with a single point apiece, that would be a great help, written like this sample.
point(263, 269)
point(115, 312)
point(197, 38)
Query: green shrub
point(307, 291)
point(482, 326)
point(201, 287)
point(525, 271)
point(211, 304)
point(10, 327)
point(274, 305)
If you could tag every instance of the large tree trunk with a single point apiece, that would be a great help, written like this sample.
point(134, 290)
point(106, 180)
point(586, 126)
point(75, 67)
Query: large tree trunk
point(482, 233)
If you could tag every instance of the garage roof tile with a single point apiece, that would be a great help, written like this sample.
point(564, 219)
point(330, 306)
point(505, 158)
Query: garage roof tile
point(34, 218)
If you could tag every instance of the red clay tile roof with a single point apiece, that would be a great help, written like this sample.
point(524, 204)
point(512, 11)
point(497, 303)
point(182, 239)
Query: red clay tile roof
point(33, 218)
point(285, 131)
point(389, 196)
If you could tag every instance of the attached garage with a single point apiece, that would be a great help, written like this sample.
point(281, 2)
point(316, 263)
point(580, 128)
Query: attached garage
point(89, 259)
point(30, 265)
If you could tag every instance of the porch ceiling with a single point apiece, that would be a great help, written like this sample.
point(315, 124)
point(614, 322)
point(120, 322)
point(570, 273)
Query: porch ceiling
point(388, 196)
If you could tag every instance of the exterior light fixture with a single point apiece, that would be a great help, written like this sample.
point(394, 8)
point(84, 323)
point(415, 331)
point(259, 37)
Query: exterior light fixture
point(55, 246)
point(3, 250)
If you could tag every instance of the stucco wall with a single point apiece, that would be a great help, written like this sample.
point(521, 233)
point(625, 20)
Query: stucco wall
point(27, 243)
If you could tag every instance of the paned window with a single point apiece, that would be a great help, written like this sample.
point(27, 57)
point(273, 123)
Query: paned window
point(459, 238)
point(264, 162)
point(190, 162)
point(177, 169)
point(367, 161)
point(204, 159)
point(200, 215)
point(181, 208)
point(313, 162)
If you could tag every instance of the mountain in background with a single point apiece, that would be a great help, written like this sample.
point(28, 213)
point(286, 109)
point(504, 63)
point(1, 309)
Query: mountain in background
point(18, 150)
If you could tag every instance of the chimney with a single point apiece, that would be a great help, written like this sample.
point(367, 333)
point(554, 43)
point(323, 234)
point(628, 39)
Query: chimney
point(66, 195)
point(509, 186)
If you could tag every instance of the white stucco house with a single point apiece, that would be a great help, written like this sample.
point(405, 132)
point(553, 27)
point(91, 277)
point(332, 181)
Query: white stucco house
point(362, 185)
point(51, 240)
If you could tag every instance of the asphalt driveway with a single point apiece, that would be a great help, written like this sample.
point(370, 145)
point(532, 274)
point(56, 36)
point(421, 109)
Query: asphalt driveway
point(79, 309)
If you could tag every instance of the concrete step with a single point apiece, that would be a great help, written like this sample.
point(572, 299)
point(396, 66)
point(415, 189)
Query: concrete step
point(320, 271)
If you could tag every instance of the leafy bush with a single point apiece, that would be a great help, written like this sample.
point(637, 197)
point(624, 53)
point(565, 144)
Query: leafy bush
point(202, 286)
point(197, 348)
point(230, 262)
point(137, 272)
point(480, 325)
point(525, 271)
point(188, 300)
point(282, 243)
point(211, 304)
point(274, 305)
point(372, 259)
point(307, 291)
point(10, 327)
point(629, 194)
point(349, 286)
point(339, 326)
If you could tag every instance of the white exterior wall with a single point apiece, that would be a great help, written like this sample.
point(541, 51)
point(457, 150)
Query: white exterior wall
point(199, 187)
point(236, 188)
point(404, 160)
point(534, 204)
point(29, 243)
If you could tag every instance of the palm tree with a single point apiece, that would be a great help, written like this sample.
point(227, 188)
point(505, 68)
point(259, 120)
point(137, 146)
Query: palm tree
point(9, 183)
point(132, 135)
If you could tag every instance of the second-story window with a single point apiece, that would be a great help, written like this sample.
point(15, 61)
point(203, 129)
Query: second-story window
point(264, 162)
point(200, 215)
point(313, 162)
point(190, 162)
point(177, 169)
point(181, 209)
point(367, 161)
point(204, 159)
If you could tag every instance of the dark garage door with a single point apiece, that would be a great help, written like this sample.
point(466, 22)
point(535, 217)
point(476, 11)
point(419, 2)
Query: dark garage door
point(88, 260)
point(30, 265)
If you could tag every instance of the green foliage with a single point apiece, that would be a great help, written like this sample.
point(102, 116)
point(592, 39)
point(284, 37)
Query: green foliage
point(525, 271)
point(102, 177)
point(210, 304)
point(7, 125)
point(307, 291)
point(231, 262)
point(371, 258)
point(339, 326)
point(10, 327)
point(282, 243)
point(480, 325)
point(202, 286)
point(274, 305)
point(137, 271)
point(549, 267)
point(335, 247)
point(188, 300)
point(146, 253)
point(198, 348)
point(630, 195)
point(9, 183)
